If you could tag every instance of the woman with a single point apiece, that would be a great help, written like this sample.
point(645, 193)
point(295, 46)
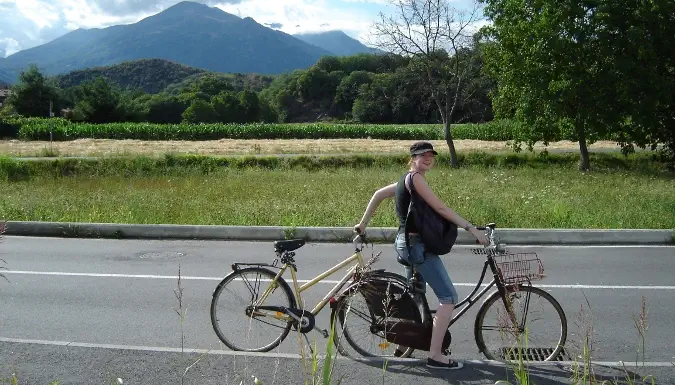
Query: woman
point(432, 269)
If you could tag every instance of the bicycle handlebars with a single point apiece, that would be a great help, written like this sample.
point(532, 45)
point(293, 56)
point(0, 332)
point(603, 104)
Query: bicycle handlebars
point(359, 238)
point(496, 245)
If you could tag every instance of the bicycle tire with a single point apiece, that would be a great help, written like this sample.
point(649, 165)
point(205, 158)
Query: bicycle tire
point(341, 314)
point(266, 274)
point(494, 297)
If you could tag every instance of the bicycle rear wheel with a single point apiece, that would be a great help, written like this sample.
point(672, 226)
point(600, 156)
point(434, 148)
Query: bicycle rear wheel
point(234, 314)
point(359, 316)
point(538, 333)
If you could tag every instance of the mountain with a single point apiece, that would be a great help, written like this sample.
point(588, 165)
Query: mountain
point(188, 33)
point(337, 42)
point(155, 75)
point(5, 76)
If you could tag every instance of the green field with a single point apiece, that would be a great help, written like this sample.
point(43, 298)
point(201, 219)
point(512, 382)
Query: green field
point(621, 193)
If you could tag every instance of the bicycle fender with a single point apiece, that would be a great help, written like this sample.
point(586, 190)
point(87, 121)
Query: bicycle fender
point(366, 276)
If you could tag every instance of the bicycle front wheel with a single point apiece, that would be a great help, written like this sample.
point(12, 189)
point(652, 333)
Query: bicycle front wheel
point(236, 315)
point(361, 315)
point(535, 329)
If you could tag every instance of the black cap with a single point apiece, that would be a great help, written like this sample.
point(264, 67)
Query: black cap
point(418, 148)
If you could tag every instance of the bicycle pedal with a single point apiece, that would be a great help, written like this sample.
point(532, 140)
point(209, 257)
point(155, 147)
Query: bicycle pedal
point(324, 332)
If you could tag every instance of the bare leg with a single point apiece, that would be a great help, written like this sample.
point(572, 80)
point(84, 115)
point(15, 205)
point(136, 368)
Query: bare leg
point(441, 322)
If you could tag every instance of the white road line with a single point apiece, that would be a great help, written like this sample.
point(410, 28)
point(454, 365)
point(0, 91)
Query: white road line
point(515, 245)
point(197, 278)
point(627, 364)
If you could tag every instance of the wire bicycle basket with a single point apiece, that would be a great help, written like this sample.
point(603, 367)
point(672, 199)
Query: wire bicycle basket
point(519, 267)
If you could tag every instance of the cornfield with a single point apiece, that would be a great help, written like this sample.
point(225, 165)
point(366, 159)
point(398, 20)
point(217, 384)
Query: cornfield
point(62, 129)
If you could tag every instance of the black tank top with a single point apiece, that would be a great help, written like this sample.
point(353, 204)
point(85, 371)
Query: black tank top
point(402, 203)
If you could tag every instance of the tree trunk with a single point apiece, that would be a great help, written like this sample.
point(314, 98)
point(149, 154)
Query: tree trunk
point(451, 145)
point(585, 163)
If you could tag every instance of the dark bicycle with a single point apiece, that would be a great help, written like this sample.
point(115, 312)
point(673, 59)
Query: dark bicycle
point(516, 321)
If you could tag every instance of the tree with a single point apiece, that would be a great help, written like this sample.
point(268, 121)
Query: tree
point(431, 33)
point(31, 97)
point(373, 104)
point(99, 101)
point(376, 63)
point(475, 106)
point(329, 63)
point(212, 84)
point(226, 105)
point(316, 84)
point(578, 69)
point(165, 108)
point(348, 89)
point(644, 55)
point(200, 111)
point(268, 113)
point(249, 106)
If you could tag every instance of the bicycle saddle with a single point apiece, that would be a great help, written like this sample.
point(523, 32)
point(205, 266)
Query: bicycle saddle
point(288, 245)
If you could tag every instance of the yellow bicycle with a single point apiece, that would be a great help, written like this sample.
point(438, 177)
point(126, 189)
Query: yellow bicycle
point(253, 301)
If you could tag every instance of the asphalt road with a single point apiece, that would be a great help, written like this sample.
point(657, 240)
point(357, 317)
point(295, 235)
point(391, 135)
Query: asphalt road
point(91, 311)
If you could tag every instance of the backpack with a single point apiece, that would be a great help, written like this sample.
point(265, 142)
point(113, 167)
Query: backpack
point(438, 234)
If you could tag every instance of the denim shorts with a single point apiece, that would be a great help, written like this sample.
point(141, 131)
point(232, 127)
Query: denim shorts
point(429, 265)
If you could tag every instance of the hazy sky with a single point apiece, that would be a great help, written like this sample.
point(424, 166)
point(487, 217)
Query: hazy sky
point(28, 23)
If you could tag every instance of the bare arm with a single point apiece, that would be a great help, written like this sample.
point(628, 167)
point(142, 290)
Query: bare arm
point(377, 198)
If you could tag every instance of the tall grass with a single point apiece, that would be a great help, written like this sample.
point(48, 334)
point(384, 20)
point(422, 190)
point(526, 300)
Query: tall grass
point(12, 169)
point(193, 191)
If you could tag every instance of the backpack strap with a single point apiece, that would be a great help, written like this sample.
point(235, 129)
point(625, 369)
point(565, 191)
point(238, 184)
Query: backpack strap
point(412, 192)
point(412, 189)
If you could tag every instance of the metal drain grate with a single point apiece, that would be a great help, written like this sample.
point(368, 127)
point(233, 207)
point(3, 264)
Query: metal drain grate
point(533, 354)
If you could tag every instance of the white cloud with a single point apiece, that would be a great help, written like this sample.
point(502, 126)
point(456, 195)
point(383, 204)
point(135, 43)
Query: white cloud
point(8, 46)
point(34, 22)
point(85, 14)
point(42, 14)
point(382, 2)
point(300, 16)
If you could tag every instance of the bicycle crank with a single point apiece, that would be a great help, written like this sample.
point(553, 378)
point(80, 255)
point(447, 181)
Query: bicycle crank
point(305, 320)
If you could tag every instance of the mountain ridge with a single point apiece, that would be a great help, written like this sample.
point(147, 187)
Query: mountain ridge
point(155, 75)
point(188, 33)
point(337, 42)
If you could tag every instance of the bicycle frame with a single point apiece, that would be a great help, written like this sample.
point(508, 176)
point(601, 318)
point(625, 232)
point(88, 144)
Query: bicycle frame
point(470, 300)
point(289, 263)
point(298, 290)
point(463, 306)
